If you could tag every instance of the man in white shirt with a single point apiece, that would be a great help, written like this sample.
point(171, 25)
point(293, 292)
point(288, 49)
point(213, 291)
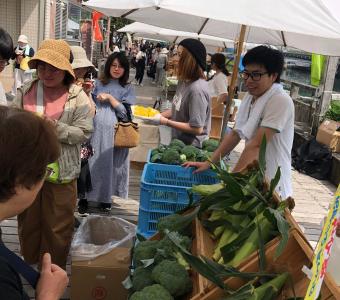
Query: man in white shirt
point(6, 52)
point(265, 110)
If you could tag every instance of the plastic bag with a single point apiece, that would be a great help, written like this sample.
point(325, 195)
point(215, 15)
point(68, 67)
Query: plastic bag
point(98, 235)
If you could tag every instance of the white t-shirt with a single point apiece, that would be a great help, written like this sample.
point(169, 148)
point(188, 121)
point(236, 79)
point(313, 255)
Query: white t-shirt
point(218, 85)
point(277, 114)
point(3, 99)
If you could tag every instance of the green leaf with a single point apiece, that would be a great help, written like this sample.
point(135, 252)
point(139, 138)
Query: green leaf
point(282, 225)
point(274, 182)
point(140, 237)
point(233, 186)
point(243, 293)
point(262, 156)
point(211, 225)
point(262, 255)
point(228, 251)
point(147, 262)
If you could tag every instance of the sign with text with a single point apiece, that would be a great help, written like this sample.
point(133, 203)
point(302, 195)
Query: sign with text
point(323, 249)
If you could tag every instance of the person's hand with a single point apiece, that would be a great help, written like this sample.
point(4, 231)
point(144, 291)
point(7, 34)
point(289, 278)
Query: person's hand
point(87, 86)
point(52, 282)
point(155, 120)
point(200, 166)
point(104, 97)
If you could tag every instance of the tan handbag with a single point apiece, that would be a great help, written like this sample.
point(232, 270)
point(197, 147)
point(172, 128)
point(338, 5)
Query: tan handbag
point(126, 135)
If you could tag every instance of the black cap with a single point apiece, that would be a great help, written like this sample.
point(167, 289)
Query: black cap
point(197, 49)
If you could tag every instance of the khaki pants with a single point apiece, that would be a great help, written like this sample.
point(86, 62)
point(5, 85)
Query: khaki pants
point(47, 225)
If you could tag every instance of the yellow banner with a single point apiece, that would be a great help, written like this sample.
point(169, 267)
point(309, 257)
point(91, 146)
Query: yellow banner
point(323, 249)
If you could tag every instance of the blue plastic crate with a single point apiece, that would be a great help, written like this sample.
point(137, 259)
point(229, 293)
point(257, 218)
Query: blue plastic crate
point(164, 190)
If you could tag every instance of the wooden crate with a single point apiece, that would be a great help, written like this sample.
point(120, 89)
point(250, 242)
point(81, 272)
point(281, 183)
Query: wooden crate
point(206, 245)
point(217, 111)
point(297, 254)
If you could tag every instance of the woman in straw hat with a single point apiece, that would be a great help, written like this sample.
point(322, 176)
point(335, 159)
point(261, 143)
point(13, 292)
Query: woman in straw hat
point(109, 165)
point(47, 226)
point(82, 68)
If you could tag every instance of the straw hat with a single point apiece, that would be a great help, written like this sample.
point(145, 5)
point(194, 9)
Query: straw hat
point(80, 59)
point(23, 39)
point(164, 51)
point(54, 52)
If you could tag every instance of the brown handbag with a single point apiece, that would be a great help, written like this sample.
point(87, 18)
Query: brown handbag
point(126, 135)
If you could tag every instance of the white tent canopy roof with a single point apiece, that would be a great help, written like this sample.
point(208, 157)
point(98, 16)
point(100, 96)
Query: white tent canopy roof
point(309, 25)
point(170, 35)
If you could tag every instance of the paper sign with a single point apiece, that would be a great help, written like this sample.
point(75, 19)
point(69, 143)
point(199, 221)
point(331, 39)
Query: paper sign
point(323, 249)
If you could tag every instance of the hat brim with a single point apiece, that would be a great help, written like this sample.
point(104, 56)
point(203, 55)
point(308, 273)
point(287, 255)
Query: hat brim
point(53, 58)
point(81, 63)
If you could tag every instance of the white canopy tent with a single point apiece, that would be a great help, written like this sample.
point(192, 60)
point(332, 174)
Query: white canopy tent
point(309, 25)
point(172, 36)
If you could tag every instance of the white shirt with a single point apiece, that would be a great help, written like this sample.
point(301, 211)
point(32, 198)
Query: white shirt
point(3, 99)
point(218, 85)
point(277, 113)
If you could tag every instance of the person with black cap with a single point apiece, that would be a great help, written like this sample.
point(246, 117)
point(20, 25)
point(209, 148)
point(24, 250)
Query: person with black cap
point(190, 115)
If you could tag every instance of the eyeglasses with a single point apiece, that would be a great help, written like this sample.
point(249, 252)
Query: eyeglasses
point(4, 62)
point(117, 66)
point(256, 76)
point(49, 172)
point(43, 67)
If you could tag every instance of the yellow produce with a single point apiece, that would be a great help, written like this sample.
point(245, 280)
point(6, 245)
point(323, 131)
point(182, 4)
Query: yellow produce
point(141, 111)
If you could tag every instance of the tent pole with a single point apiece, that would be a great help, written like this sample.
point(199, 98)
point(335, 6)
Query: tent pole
point(233, 80)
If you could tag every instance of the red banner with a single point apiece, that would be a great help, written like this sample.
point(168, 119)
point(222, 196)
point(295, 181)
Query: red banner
point(97, 33)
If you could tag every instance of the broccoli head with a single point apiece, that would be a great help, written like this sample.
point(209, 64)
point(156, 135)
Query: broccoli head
point(176, 148)
point(171, 157)
point(177, 143)
point(155, 291)
point(190, 152)
point(144, 250)
point(173, 277)
point(141, 278)
point(210, 145)
point(203, 156)
point(168, 250)
point(162, 148)
point(156, 157)
point(154, 151)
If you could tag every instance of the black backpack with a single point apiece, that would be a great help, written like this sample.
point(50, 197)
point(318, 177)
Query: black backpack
point(313, 159)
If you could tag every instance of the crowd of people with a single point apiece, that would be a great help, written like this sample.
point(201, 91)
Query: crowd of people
point(57, 142)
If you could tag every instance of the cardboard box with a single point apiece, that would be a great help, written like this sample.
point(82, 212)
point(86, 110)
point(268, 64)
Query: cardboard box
point(101, 278)
point(328, 135)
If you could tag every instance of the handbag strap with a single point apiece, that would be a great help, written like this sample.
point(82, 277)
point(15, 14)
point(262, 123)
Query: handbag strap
point(40, 98)
point(128, 111)
point(31, 275)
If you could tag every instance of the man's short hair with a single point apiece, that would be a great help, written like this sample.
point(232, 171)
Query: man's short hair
point(6, 44)
point(266, 56)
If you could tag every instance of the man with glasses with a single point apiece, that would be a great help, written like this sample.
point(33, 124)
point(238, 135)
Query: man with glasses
point(265, 110)
point(6, 52)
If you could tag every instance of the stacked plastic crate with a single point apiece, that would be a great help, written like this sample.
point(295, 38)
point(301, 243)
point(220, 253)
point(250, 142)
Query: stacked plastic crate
point(164, 190)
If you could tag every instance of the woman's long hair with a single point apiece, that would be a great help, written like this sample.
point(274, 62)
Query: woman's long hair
point(218, 59)
point(123, 61)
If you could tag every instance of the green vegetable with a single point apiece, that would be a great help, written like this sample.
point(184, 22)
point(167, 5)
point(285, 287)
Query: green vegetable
point(168, 250)
point(191, 152)
point(271, 289)
point(141, 278)
point(156, 157)
point(210, 145)
point(144, 250)
point(334, 111)
point(176, 222)
point(207, 189)
point(173, 277)
point(171, 157)
point(154, 151)
point(155, 291)
point(177, 143)
point(183, 158)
